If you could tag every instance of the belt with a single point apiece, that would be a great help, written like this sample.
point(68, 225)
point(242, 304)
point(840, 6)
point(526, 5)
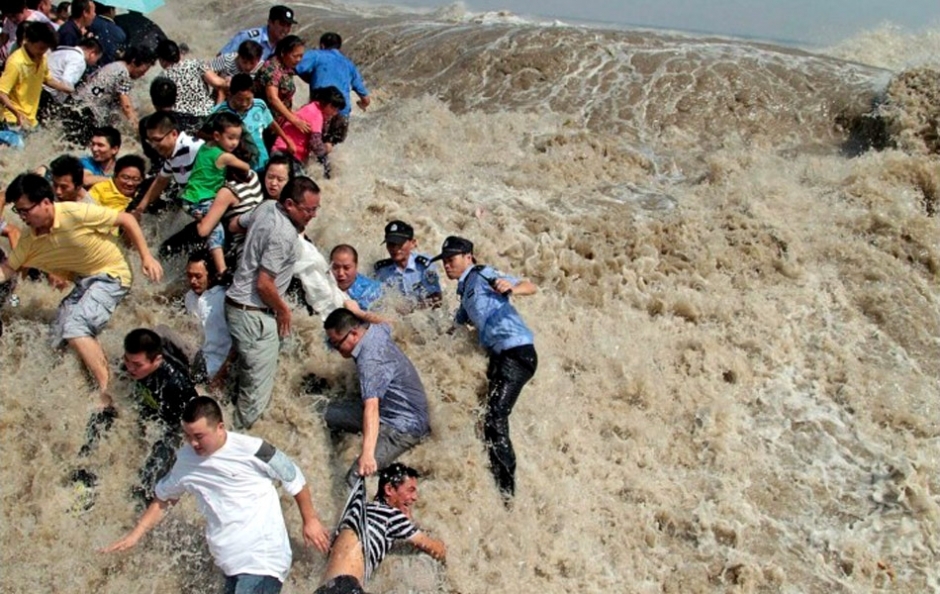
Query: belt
point(244, 307)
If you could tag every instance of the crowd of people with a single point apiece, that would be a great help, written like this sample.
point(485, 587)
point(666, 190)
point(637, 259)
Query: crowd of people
point(228, 144)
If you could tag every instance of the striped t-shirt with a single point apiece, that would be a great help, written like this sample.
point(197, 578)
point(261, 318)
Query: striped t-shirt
point(385, 525)
point(249, 195)
point(180, 165)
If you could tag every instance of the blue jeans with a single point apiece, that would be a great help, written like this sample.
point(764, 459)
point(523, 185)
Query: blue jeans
point(245, 583)
point(216, 237)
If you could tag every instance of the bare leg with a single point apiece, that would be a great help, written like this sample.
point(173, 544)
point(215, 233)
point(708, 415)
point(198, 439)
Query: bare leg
point(92, 355)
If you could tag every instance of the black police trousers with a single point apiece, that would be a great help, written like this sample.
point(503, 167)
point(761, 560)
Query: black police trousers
point(507, 373)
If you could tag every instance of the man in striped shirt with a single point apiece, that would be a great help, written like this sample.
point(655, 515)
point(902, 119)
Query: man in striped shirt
point(387, 519)
point(178, 148)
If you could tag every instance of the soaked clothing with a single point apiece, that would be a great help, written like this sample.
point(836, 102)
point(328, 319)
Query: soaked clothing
point(331, 68)
point(341, 584)
point(364, 291)
point(101, 94)
point(384, 524)
point(161, 397)
point(417, 280)
point(512, 364)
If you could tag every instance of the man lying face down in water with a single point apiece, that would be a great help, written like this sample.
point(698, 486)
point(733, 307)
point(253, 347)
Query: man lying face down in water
point(388, 519)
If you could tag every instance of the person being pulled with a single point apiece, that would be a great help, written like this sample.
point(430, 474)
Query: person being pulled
point(388, 519)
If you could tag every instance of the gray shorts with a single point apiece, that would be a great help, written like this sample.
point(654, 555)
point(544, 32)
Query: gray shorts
point(87, 309)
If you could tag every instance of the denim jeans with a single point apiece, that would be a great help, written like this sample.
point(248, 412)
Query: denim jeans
point(245, 583)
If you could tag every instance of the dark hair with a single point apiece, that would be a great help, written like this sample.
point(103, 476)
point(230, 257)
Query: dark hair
point(90, 43)
point(241, 82)
point(102, 8)
point(168, 51)
point(128, 161)
point(78, 8)
point(202, 255)
point(163, 121)
point(139, 55)
point(221, 122)
point(278, 159)
point(68, 165)
point(37, 32)
point(110, 133)
point(250, 50)
point(296, 188)
point(36, 188)
point(394, 474)
point(12, 6)
point(202, 407)
point(329, 96)
point(143, 340)
point(345, 248)
point(63, 7)
point(287, 45)
point(163, 93)
point(341, 320)
point(331, 41)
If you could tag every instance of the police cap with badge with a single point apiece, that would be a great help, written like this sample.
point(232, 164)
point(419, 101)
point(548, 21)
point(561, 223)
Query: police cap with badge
point(281, 14)
point(398, 232)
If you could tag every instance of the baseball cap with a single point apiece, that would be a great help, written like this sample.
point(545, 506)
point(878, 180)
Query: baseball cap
point(454, 245)
point(281, 13)
point(398, 232)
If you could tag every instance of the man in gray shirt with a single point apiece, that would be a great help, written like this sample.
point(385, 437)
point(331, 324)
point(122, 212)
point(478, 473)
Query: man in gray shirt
point(257, 314)
point(393, 414)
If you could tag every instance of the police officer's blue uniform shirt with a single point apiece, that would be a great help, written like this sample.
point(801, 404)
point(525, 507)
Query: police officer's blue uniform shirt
point(259, 34)
point(330, 68)
point(364, 291)
point(497, 322)
point(418, 280)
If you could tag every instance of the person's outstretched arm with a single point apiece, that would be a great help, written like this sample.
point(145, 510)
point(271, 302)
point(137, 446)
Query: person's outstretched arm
point(314, 532)
point(151, 518)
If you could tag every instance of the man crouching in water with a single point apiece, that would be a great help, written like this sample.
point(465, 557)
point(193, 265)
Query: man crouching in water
point(389, 519)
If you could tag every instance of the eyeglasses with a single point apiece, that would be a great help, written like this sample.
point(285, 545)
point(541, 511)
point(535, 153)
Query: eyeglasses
point(158, 140)
point(308, 210)
point(337, 343)
point(25, 211)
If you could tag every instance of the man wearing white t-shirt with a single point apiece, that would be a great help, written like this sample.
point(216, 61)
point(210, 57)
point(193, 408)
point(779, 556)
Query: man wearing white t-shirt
point(230, 474)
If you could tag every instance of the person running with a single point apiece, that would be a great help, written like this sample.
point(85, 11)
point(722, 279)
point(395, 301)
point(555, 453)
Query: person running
point(367, 532)
point(484, 302)
point(77, 240)
point(329, 67)
point(231, 475)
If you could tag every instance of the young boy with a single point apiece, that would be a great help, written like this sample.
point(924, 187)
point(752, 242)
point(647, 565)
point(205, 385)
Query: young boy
point(24, 74)
point(255, 115)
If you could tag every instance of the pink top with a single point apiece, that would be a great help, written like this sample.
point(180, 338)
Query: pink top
point(311, 114)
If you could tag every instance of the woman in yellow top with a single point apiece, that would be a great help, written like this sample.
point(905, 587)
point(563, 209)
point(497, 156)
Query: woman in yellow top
point(118, 192)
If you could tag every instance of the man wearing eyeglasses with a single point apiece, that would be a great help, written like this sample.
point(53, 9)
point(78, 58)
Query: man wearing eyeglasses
point(257, 313)
point(77, 240)
point(393, 411)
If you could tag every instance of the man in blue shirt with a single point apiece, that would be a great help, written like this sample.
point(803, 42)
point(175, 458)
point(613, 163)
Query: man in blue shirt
point(328, 67)
point(484, 302)
point(413, 275)
point(393, 413)
point(344, 264)
point(111, 37)
point(280, 21)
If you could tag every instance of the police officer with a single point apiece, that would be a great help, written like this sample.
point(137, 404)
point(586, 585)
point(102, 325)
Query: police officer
point(484, 303)
point(280, 21)
point(413, 275)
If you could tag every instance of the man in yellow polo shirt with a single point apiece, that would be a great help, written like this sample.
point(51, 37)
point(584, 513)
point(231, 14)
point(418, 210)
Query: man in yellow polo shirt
point(24, 74)
point(75, 240)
